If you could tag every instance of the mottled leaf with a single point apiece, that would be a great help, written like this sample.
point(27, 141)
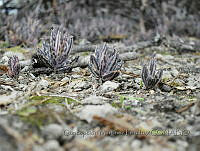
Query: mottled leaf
point(105, 64)
point(150, 77)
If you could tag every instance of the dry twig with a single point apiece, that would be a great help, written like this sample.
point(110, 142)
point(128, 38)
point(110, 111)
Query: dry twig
point(185, 108)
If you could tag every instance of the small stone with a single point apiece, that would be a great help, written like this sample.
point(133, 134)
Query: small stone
point(52, 145)
point(136, 144)
point(94, 100)
point(179, 82)
point(151, 91)
point(181, 144)
point(4, 60)
point(109, 86)
point(65, 79)
point(166, 75)
point(52, 131)
point(18, 54)
point(84, 42)
point(174, 72)
point(138, 80)
point(23, 87)
point(6, 99)
point(167, 57)
point(159, 56)
point(164, 87)
point(137, 83)
point(89, 111)
point(81, 84)
point(131, 102)
point(76, 76)
point(193, 81)
point(20, 78)
point(37, 148)
point(25, 69)
point(196, 110)
point(43, 84)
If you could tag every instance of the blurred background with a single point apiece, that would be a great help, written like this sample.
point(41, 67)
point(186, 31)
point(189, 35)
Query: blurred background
point(26, 22)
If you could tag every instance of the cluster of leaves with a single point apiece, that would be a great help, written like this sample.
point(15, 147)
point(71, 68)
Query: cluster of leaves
point(150, 76)
point(54, 54)
point(105, 65)
point(53, 57)
point(13, 67)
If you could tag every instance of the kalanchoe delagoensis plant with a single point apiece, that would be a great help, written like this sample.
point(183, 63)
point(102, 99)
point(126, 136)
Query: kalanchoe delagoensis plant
point(104, 64)
point(150, 76)
point(13, 67)
point(54, 55)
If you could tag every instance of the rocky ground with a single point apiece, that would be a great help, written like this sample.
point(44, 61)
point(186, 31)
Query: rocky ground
point(72, 111)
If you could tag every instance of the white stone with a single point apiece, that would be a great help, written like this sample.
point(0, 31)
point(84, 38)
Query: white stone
point(166, 75)
point(109, 86)
point(52, 131)
point(18, 54)
point(89, 111)
point(43, 83)
point(52, 145)
point(94, 99)
point(65, 79)
point(174, 72)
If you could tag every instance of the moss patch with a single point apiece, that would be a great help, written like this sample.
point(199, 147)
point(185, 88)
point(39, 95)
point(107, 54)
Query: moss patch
point(16, 49)
point(39, 117)
point(4, 44)
point(37, 111)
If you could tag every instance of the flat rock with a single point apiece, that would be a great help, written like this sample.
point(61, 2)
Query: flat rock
point(166, 75)
point(52, 131)
point(18, 54)
point(109, 86)
point(94, 100)
point(43, 84)
point(52, 145)
point(89, 111)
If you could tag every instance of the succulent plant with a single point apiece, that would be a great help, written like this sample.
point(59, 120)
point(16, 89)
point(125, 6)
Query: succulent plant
point(13, 67)
point(105, 64)
point(150, 76)
point(55, 53)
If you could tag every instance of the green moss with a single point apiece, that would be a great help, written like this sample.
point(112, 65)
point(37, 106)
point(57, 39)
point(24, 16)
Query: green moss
point(192, 98)
point(46, 100)
point(39, 45)
point(41, 117)
point(175, 84)
point(116, 105)
point(4, 44)
point(26, 111)
point(85, 53)
point(16, 49)
point(37, 98)
point(37, 113)
point(130, 98)
point(122, 98)
point(128, 107)
point(165, 80)
point(52, 100)
point(141, 84)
